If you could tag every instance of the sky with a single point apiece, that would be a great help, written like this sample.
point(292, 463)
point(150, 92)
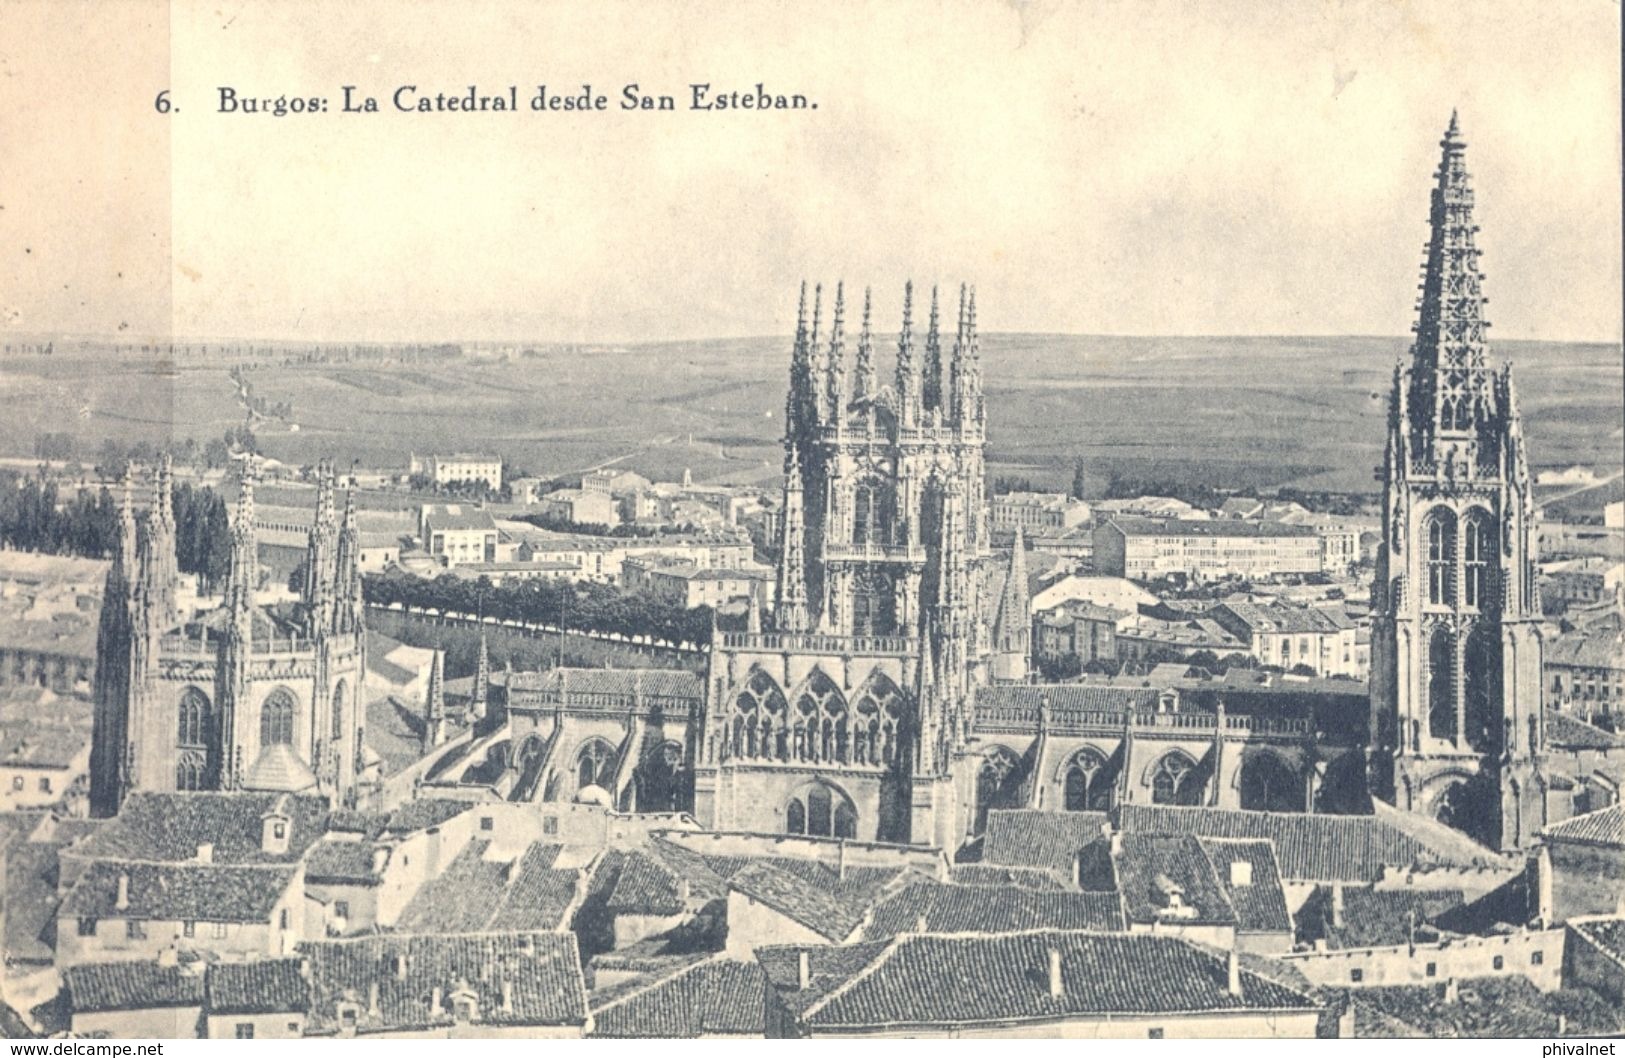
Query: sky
point(1093, 167)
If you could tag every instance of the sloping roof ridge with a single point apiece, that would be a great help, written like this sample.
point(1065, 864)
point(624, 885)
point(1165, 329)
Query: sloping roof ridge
point(660, 980)
point(885, 956)
point(1220, 879)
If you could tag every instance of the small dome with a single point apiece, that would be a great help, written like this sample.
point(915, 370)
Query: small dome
point(594, 795)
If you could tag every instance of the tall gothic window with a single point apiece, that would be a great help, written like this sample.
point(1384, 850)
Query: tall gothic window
point(276, 718)
point(1175, 782)
point(338, 711)
point(819, 723)
point(759, 716)
point(189, 772)
point(876, 716)
point(1088, 787)
point(874, 604)
point(1441, 559)
point(998, 783)
point(1268, 785)
point(595, 765)
point(1481, 673)
point(872, 513)
point(1479, 546)
point(1441, 685)
point(192, 721)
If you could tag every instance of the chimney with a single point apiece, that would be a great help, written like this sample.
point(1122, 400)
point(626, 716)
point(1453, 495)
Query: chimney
point(1450, 993)
point(123, 901)
point(1337, 905)
point(169, 957)
point(803, 970)
point(434, 1002)
point(1056, 989)
point(1241, 873)
point(304, 969)
point(400, 967)
point(1562, 1024)
point(372, 999)
point(380, 857)
point(1233, 971)
point(205, 852)
point(507, 996)
point(840, 860)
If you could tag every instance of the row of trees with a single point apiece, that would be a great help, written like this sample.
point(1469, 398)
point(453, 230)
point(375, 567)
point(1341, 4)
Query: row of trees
point(579, 607)
point(1070, 666)
point(33, 517)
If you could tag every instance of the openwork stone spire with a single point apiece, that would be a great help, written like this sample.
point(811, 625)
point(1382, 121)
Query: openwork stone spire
point(931, 392)
point(866, 353)
point(793, 615)
point(835, 392)
point(908, 369)
point(1450, 384)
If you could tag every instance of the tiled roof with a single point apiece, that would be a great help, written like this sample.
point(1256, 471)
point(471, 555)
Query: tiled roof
point(170, 826)
point(263, 986)
point(927, 979)
point(541, 970)
point(455, 517)
point(932, 907)
point(1281, 617)
point(29, 904)
point(461, 898)
point(1309, 847)
point(338, 862)
point(1132, 525)
point(717, 997)
point(831, 909)
point(1571, 732)
point(1606, 826)
point(49, 744)
point(424, 813)
point(1606, 933)
point(645, 886)
point(985, 874)
point(279, 768)
point(1065, 697)
point(1030, 838)
point(829, 967)
point(111, 986)
point(179, 892)
point(584, 688)
point(1485, 1008)
point(1260, 904)
point(395, 732)
point(16, 826)
point(1168, 878)
point(538, 895)
point(1373, 918)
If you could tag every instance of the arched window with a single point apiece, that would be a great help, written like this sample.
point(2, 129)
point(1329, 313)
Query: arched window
point(276, 718)
point(1481, 671)
point(1442, 684)
point(338, 711)
point(876, 716)
point(1268, 785)
point(1441, 560)
point(1478, 586)
point(660, 780)
point(1174, 782)
point(819, 713)
point(192, 721)
point(874, 604)
point(998, 783)
point(595, 765)
point(821, 810)
point(1088, 788)
point(757, 707)
point(190, 772)
point(872, 513)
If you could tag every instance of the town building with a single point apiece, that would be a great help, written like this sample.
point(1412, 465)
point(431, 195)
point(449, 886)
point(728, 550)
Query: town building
point(1585, 673)
point(44, 750)
point(1037, 510)
point(1146, 548)
point(458, 533)
point(1077, 628)
point(582, 506)
point(687, 585)
point(1288, 635)
point(461, 468)
point(1583, 859)
point(235, 695)
point(1456, 646)
point(611, 481)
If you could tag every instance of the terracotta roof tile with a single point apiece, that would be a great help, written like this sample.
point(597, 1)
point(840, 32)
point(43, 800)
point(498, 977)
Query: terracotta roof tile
point(1029, 838)
point(263, 986)
point(106, 987)
point(179, 892)
point(170, 826)
point(717, 997)
point(932, 907)
point(1606, 826)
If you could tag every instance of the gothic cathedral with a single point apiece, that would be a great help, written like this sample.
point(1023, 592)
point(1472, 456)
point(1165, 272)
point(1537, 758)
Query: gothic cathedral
point(1456, 647)
point(235, 696)
point(846, 718)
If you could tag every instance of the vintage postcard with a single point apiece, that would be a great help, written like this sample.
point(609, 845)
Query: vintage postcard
point(762, 520)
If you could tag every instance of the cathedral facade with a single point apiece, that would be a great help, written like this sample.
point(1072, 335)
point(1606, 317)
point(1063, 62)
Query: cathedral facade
point(236, 696)
point(845, 718)
point(1456, 645)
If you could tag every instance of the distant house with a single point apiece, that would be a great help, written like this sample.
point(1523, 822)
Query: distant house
point(582, 507)
point(134, 1000)
point(1587, 863)
point(458, 533)
point(1034, 510)
point(461, 467)
point(711, 999)
point(1146, 548)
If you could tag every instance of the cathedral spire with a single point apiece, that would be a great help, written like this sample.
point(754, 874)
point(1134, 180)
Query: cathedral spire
point(1013, 623)
point(931, 392)
point(813, 400)
point(866, 354)
point(482, 674)
point(434, 710)
point(1451, 393)
point(908, 370)
point(347, 615)
point(792, 606)
point(968, 366)
point(800, 401)
point(836, 392)
point(242, 576)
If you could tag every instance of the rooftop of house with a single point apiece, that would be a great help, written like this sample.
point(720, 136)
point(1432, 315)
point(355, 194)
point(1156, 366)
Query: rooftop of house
point(457, 517)
point(30, 904)
point(1282, 618)
point(1032, 838)
point(713, 997)
point(997, 979)
point(607, 687)
point(1570, 732)
point(169, 827)
point(1167, 878)
point(260, 986)
point(1607, 934)
point(170, 892)
point(50, 743)
point(1588, 650)
point(988, 874)
point(338, 861)
point(517, 979)
point(1481, 1008)
point(1372, 918)
point(1605, 826)
point(475, 893)
point(934, 907)
point(102, 988)
point(1251, 879)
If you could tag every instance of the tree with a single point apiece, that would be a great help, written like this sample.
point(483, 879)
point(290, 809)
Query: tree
point(1300, 669)
point(1077, 479)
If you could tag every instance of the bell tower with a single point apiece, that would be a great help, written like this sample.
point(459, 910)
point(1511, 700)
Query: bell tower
point(1456, 648)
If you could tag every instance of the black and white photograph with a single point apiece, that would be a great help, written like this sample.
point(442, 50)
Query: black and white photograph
point(887, 519)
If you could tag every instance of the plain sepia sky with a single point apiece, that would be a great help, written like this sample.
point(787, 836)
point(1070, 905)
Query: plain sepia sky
point(1095, 167)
